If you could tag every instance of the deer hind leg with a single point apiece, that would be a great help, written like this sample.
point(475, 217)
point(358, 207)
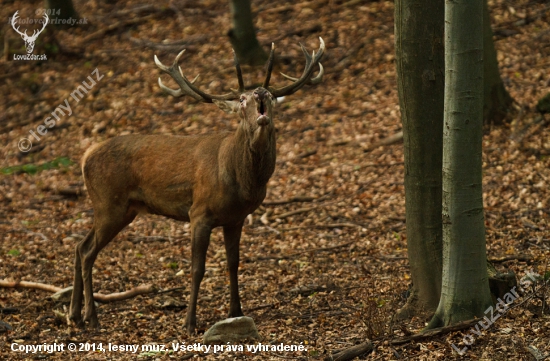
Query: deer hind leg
point(200, 239)
point(232, 238)
point(107, 226)
point(76, 298)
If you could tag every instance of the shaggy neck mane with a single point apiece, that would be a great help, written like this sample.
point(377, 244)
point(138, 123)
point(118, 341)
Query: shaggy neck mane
point(253, 163)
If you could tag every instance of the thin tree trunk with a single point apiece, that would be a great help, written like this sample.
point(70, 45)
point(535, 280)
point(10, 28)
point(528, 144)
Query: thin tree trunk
point(61, 9)
point(496, 99)
point(420, 71)
point(243, 36)
point(465, 286)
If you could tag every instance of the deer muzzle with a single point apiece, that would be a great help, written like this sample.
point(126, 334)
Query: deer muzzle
point(262, 120)
point(260, 96)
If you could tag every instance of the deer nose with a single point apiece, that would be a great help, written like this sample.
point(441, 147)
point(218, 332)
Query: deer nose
point(262, 120)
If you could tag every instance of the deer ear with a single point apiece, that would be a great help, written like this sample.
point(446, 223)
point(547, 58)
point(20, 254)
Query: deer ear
point(227, 106)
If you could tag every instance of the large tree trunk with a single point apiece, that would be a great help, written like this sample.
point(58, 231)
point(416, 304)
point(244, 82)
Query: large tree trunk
point(496, 99)
point(421, 77)
point(243, 36)
point(465, 286)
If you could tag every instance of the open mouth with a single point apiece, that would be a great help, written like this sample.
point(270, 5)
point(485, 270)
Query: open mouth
point(263, 119)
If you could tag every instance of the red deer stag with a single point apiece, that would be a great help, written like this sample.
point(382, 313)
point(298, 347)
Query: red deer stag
point(209, 180)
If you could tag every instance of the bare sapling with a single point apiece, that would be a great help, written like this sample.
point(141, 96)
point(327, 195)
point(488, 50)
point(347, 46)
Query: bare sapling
point(213, 180)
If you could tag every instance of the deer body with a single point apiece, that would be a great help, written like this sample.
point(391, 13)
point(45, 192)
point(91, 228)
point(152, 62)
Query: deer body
point(208, 180)
point(215, 170)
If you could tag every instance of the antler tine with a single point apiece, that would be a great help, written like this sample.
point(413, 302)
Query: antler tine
point(316, 80)
point(176, 74)
point(13, 20)
point(37, 32)
point(269, 65)
point(239, 72)
point(186, 86)
point(306, 75)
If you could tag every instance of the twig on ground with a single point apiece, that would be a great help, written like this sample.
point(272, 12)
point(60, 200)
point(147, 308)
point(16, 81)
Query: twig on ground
point(100, 33)
point(307, 154)
point(315, 28)
point(434, 332)
point(324, 249)
point(269, 305)
point(137, 239)
point(351, 352)
point(99, 297)
point(173, 45)
point(290, 200)
point(392, 139)
point(33, 285)
point(170, 290)
point(292, 213)
point(523, 258)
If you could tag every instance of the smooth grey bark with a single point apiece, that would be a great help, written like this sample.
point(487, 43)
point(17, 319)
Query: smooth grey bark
point(421, 77)
point(496, 99)
point(465, 286)
point(62, 9)
point(243, 36)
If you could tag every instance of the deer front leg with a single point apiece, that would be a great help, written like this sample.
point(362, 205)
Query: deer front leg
point(200, 239)
point(76, 297)
point(232, 238)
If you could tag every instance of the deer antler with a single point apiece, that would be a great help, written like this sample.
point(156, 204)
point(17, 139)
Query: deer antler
point(35, 32)
point(311, 61)
point(13, 19)
point(187, 87)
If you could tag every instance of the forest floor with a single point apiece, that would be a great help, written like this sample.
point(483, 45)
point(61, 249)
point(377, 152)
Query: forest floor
point(330, 276)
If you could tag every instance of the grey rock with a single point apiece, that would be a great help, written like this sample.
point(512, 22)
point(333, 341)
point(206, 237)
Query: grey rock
point(231, 330)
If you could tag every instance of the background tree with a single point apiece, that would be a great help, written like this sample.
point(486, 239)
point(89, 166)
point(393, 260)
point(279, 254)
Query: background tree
point(496, 99)
point(243, 36)
point(61, 9)
point(465, 286)
point(420, 72)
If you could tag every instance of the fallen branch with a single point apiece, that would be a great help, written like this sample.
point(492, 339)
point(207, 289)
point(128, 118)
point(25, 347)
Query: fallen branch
point(173, 45)
point(99, 297)
point(292, 213)
point(290, 200)
point(351, 352)
point(70, 191)
point(435, 332)
point(328, 225)
point(292, 255)
point(119, 296)
point(392, 139)
point(100, 33)
point(32, 285)
point(4, 327)
point(302, 32)
point(306, 154)
point(523, 258)
point(339, 225)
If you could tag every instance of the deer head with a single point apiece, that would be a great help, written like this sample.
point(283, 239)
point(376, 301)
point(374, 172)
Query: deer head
point(255, 108)
point(29, 40)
